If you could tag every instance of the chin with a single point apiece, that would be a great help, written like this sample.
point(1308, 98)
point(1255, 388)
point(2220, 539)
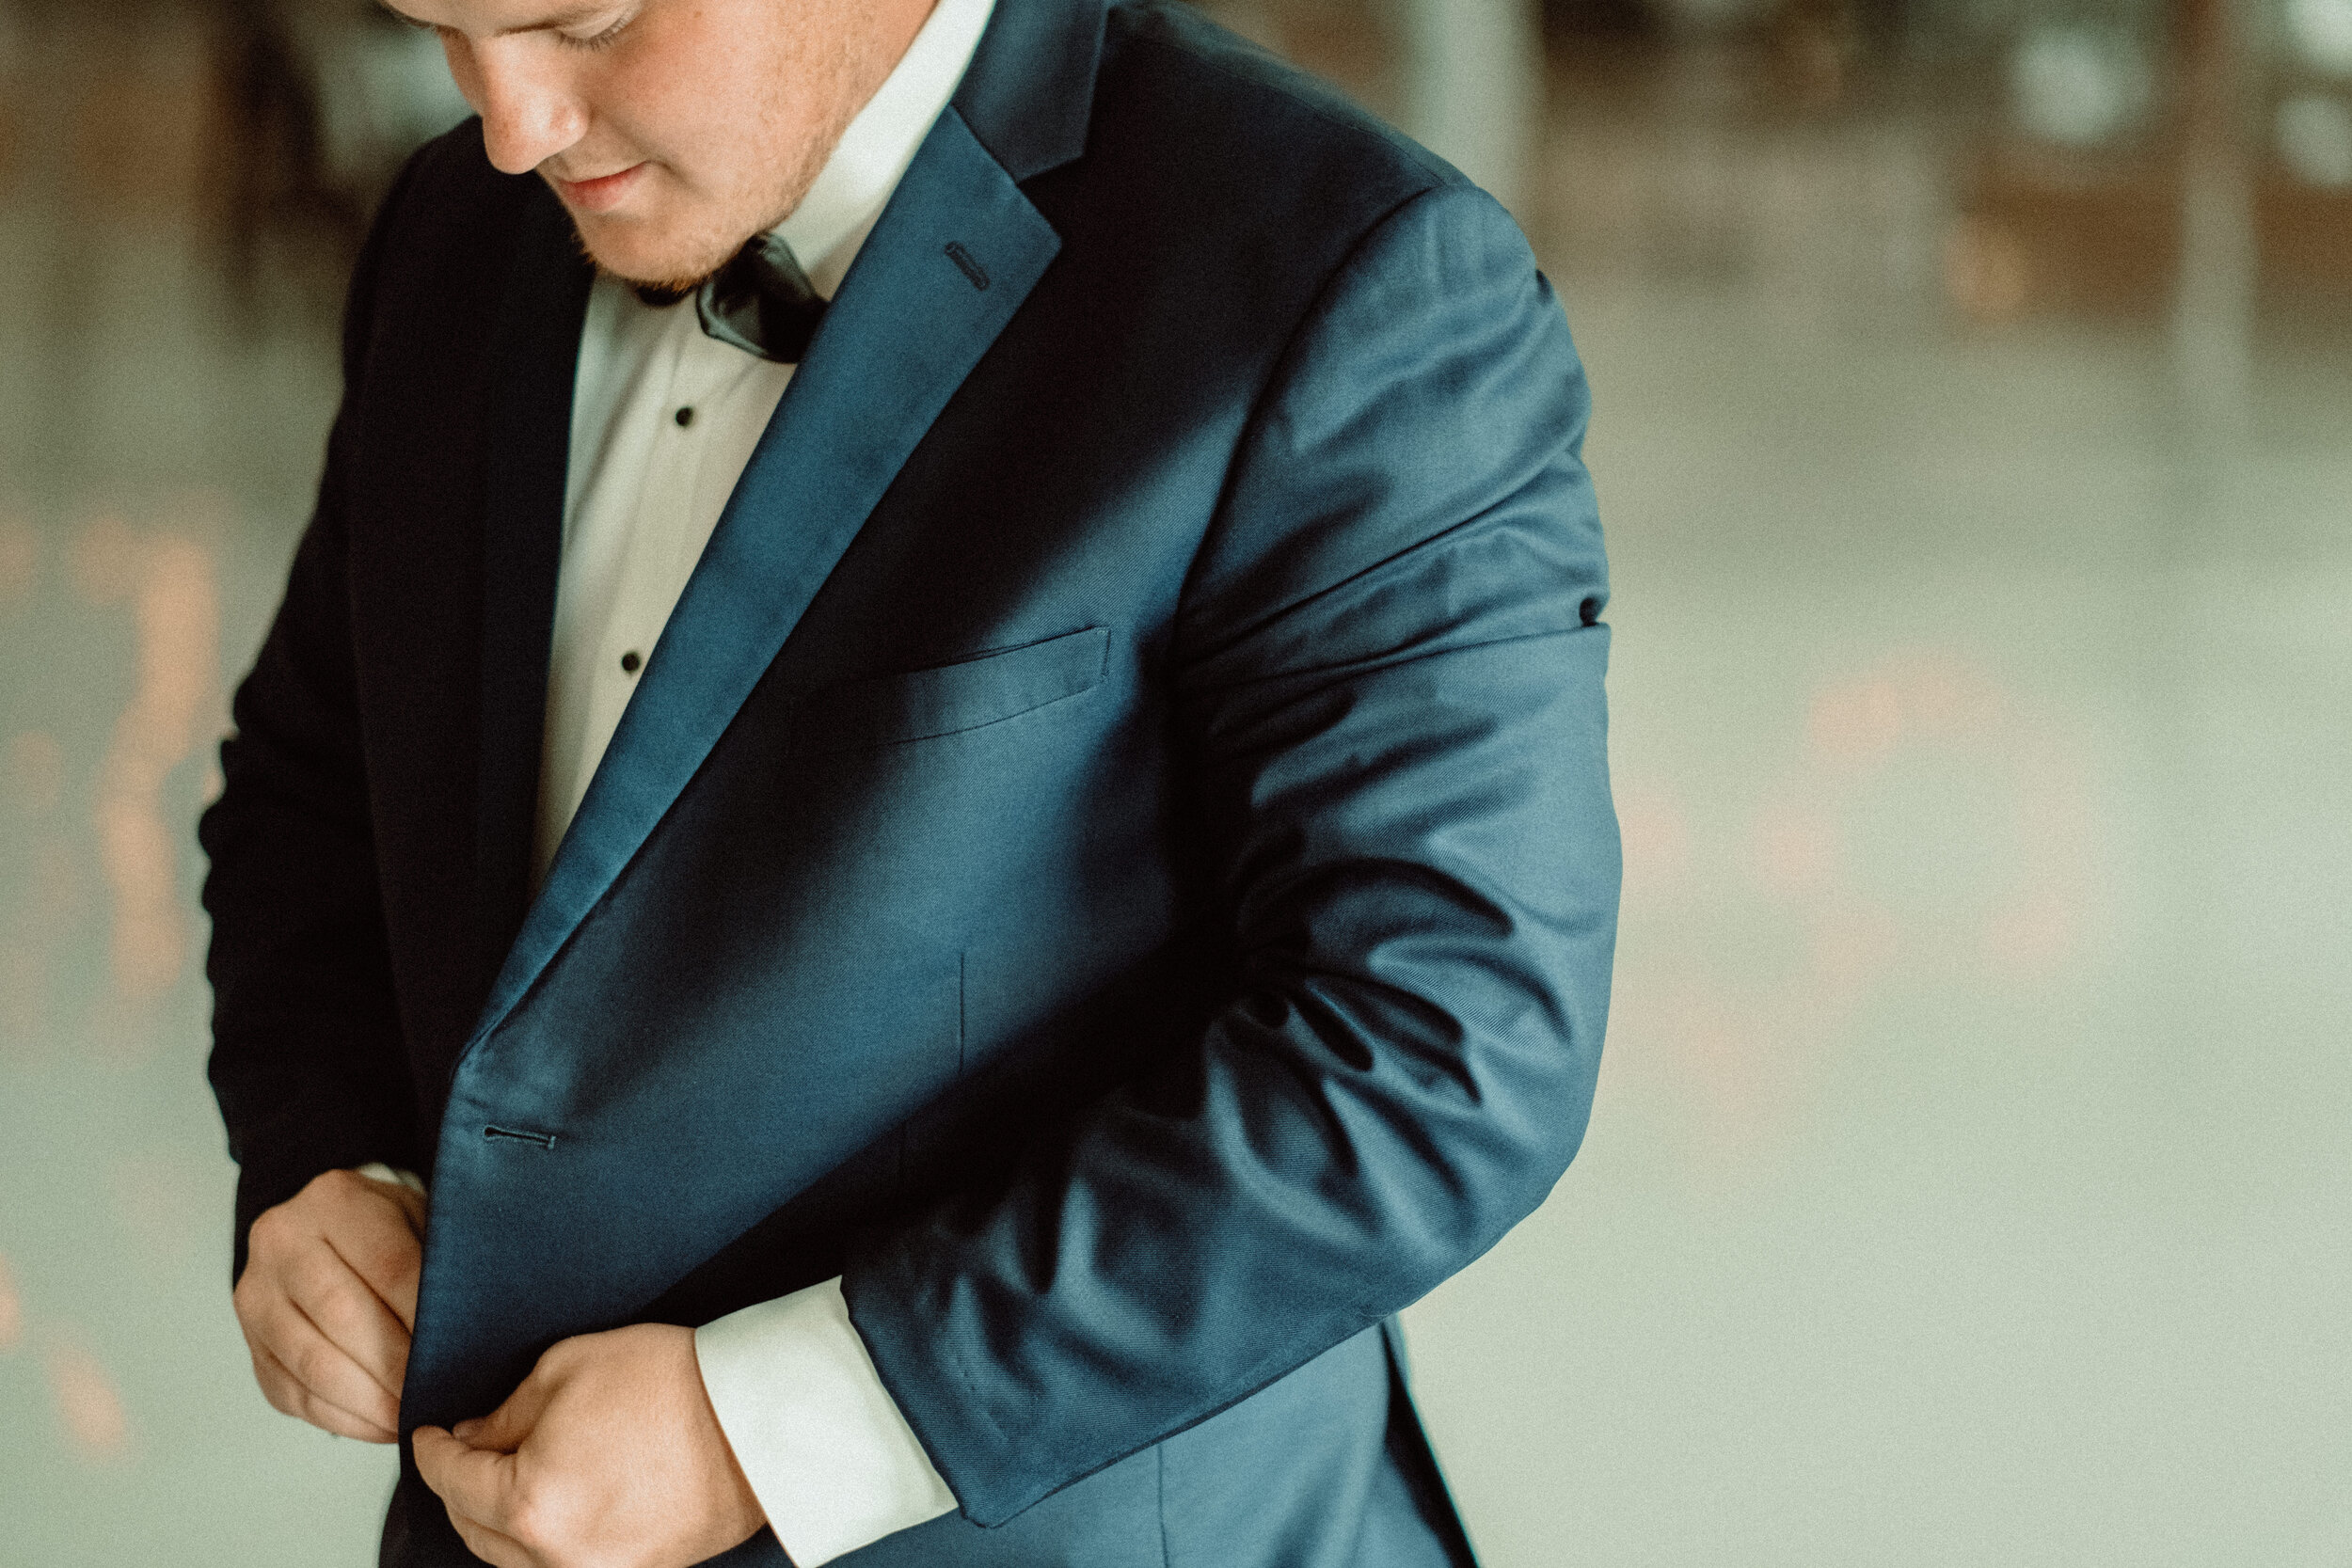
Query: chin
point(675, 254)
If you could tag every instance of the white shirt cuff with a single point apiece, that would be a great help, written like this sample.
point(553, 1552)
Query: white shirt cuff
point(833, 1463)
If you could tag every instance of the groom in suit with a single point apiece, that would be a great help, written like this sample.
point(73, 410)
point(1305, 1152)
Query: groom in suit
point(927, 818)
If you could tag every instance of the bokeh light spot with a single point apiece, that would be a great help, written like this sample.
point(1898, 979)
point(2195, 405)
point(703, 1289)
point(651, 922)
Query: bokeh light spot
point(2313, 135)
point(88, 1403)
point(2032, 939)
point(105, 560)
point(1855, 722)
point(1987, 272)
point(11, 1311)
point(2321, 31)
point(175, 609)
point(1655, 834)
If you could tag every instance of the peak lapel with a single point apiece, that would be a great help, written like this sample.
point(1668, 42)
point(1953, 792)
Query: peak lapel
point(955, 252)
point(1030, 91)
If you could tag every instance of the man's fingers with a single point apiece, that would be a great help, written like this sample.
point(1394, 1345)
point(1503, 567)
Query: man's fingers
point(328, 1302)
point(353, 1317)
point(286, 1392)
point(474, 1485)
point(287, 1395)
point(320, 1367)
point(383, 1245)
point(478, 1484)
point(410, 1202)
point(506, 1427)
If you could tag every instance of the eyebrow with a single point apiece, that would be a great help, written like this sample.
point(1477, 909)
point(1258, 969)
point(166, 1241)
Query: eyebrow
point(568, 16)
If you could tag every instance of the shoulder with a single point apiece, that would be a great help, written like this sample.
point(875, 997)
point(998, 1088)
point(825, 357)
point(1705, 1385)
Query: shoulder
point(433, 275)
point(451, 209)
point(1167, 59)
point(1219, 133)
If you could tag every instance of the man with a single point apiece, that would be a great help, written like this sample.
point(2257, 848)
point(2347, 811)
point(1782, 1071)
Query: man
point(955, 894)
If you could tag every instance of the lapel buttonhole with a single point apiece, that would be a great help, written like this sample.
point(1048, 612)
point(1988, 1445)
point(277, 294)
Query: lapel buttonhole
point(968, 265)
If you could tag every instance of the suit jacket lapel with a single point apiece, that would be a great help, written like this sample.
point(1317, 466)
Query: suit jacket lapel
point(955, 254)
point(1030, 90)
point(529, 441)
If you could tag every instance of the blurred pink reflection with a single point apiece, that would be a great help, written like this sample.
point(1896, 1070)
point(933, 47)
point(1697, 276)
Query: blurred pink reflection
point(1931, 695)
point(1735, 1012)
point(56, 895)
point(175, 609)
point(88, 1403)
point(2032, 939)
point(1656, 833)
point(1857, 722)
point(105, 560)
point(11, 1311)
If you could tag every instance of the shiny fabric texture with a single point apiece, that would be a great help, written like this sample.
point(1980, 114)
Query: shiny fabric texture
point(761, 302)
point(1112, 853)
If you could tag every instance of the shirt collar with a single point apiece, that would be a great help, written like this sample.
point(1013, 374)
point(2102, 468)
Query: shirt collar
point(853, 188)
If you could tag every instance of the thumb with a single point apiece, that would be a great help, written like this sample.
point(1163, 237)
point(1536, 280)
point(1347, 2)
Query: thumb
point(504, 1429)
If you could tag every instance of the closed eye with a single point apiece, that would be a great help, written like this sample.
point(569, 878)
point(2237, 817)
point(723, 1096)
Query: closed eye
point(599, 40)
point(404, 19)
point(559, 24)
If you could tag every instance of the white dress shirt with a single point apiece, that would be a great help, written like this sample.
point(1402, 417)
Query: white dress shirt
point(663, 419)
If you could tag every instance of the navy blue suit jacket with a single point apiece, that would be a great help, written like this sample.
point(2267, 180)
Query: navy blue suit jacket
point(1112, 853)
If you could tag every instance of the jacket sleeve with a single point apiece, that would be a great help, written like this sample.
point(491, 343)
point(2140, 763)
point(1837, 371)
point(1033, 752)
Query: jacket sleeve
point(1388, 672)
point(307, 1063)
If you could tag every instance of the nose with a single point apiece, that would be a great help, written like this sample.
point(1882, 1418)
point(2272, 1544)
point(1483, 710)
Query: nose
point(529, 112)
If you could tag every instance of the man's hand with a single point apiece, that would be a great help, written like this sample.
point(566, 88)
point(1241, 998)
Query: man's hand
point(329, 1298)
point(609, 1454)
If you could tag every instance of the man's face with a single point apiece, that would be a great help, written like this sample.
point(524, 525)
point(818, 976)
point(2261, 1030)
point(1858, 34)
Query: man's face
point(671, 130)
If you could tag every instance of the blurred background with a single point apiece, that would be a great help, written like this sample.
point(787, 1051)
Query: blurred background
point(1969, 1178)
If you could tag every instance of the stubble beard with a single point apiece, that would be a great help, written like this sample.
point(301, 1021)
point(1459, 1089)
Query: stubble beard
point(711, 238)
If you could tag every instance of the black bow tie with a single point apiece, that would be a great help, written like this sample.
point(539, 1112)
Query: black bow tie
point(761, 302)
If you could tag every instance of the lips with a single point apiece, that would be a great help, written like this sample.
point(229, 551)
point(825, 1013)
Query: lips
point(600, 193)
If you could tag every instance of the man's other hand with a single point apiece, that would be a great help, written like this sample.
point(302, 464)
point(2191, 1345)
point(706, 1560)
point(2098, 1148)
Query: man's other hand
point(609, 1454)
point(328, 1299)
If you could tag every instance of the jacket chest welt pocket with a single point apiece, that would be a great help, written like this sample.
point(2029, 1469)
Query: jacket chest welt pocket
point(950, 699)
